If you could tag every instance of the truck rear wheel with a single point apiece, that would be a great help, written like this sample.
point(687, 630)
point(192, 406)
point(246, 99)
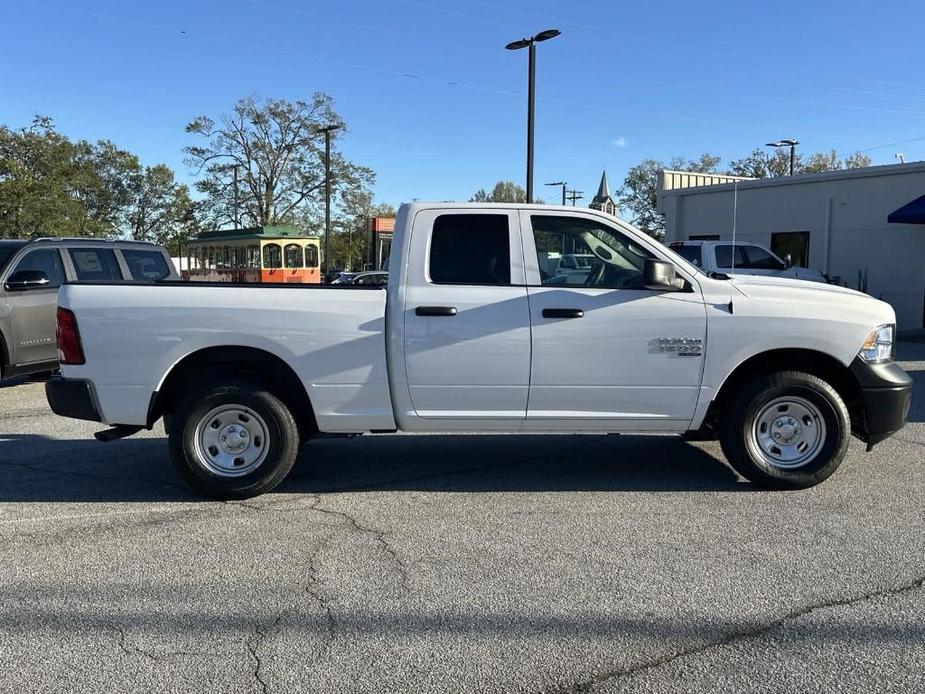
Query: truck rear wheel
point(788, 430)
point(233, 441)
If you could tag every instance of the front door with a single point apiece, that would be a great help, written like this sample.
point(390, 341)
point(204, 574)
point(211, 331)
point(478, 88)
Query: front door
point(32, 311)
point(609, 352)
point(466, 318)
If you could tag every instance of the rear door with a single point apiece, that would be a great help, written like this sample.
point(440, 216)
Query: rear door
point(609, 354)
point(32, 311)
point(466, 318)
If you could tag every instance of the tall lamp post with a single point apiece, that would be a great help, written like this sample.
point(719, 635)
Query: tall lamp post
point(327, 130)
point(792, 144)
point(531, 93)
point(560, 183)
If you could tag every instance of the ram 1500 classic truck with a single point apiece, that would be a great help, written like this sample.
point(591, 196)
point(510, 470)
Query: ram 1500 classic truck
point(474, 334)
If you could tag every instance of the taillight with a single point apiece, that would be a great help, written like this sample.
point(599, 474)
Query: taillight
point(69, 348)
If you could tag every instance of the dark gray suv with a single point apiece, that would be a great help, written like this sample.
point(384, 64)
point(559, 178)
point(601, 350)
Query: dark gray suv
point(31, 272)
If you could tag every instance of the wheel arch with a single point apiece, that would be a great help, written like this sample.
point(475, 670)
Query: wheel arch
point(814, 362)
point(230, 362)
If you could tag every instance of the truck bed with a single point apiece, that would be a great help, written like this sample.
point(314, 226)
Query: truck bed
point(333, 338)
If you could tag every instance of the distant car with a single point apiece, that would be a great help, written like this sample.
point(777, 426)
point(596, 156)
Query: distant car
point(343, 277)
point(31, 272)
point(375, 278)
point(749, 259)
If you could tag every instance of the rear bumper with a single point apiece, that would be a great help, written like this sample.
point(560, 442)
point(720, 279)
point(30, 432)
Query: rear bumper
point(72, 398)
point(886, 396)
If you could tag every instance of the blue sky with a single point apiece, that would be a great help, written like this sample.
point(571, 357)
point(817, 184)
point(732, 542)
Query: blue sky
point(436, 106)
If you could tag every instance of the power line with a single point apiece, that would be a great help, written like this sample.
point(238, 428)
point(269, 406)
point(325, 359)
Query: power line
point(574, 195)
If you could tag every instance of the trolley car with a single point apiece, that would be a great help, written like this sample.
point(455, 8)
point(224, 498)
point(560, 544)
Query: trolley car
point(259, 254)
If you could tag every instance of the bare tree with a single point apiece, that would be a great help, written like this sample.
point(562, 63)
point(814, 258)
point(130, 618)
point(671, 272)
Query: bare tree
point(275, 151)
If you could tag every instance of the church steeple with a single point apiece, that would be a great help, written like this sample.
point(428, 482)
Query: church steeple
point(602, 201)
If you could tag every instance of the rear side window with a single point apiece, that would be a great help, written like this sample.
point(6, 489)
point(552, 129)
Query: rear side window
point(92, 264)
point(146, 265)
point(470, 249)
point(690, 253)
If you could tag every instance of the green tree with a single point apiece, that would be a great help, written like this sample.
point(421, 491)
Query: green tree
point(761, 164)
point(504, 191)
point(639, 192)
point(277, 150)
point(158, 209)
point(351, 235)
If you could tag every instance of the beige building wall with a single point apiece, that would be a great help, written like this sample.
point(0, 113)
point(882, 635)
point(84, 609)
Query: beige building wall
point(845, 213)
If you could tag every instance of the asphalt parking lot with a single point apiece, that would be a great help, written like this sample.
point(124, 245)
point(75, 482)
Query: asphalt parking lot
point(470, 564)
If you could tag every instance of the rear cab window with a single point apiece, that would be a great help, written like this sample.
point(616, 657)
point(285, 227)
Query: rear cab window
point(95, 264)
point(146, 265)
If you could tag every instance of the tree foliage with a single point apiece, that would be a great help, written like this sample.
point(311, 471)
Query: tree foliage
point(504, 191)
point(53, 186)
point(278, 152)
point(640, 189)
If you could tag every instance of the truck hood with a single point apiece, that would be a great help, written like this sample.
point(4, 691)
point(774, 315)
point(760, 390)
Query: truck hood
point(834, 300)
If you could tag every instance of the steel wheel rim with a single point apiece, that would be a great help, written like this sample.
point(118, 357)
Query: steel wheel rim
point(788, 432)
point(231, 440)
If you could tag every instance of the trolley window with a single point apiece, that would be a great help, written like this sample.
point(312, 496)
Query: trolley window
point(293, 255)
point(272, 256)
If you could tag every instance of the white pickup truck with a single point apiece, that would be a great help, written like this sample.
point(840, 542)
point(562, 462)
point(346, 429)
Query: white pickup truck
point(471, 335)
point(743, 258)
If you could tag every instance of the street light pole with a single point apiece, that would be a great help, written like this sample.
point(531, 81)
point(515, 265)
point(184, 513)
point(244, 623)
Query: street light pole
point(327, 130)
point(793, 150)
point(531, 93)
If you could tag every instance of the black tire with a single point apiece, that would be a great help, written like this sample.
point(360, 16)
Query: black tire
point(277, 453)
point(740, 439)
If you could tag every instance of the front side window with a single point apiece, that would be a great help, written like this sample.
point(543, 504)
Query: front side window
point(95, 264)
point(146, 265)
point(724, 256)
point(46, 260)
point(292, 254)
point(272, 256)
point(760, 259)
point(598, 255)
point(470, 249)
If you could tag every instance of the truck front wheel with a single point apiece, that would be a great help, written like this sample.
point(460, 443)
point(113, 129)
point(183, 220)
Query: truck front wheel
point(233, 441)
point(787, 430)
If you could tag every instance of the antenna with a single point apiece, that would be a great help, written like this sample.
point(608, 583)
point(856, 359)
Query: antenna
point(735, 211)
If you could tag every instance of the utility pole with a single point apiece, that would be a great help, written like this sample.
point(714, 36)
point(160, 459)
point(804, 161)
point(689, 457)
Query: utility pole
point(560, 183)
point(327, 130)
point(574, 195)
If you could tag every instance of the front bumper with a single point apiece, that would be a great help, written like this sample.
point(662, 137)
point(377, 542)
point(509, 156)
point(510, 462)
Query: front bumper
point(72, 398)
point(886, 396)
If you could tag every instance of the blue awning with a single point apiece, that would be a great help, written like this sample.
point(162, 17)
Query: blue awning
point(910, 213)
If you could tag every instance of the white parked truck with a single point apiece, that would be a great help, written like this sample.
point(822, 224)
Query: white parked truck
point(471, 336)
point(742, 258)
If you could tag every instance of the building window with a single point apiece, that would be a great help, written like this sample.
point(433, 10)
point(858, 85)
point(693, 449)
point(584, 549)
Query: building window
point(703, 237)
point(792, 243)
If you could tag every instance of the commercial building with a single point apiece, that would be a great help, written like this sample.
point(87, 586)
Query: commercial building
point(862, 228)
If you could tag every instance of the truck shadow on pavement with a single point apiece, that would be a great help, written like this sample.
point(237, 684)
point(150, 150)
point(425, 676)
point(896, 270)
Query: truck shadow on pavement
point(36, 468)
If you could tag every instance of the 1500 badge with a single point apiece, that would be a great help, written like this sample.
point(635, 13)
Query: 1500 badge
point(682, 346)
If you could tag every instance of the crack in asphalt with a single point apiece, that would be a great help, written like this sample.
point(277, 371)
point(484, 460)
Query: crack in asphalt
point(252, 646)
point(738, 635)
point(379, 536)
point(313, 588)
point(155, 656)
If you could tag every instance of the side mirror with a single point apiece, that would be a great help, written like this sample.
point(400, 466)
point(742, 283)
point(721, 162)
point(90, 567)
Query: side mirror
point(788, 261)
point(660, 276)
point(26, 279)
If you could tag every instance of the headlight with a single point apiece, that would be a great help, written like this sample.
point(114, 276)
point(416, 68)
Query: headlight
point(879, 344)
